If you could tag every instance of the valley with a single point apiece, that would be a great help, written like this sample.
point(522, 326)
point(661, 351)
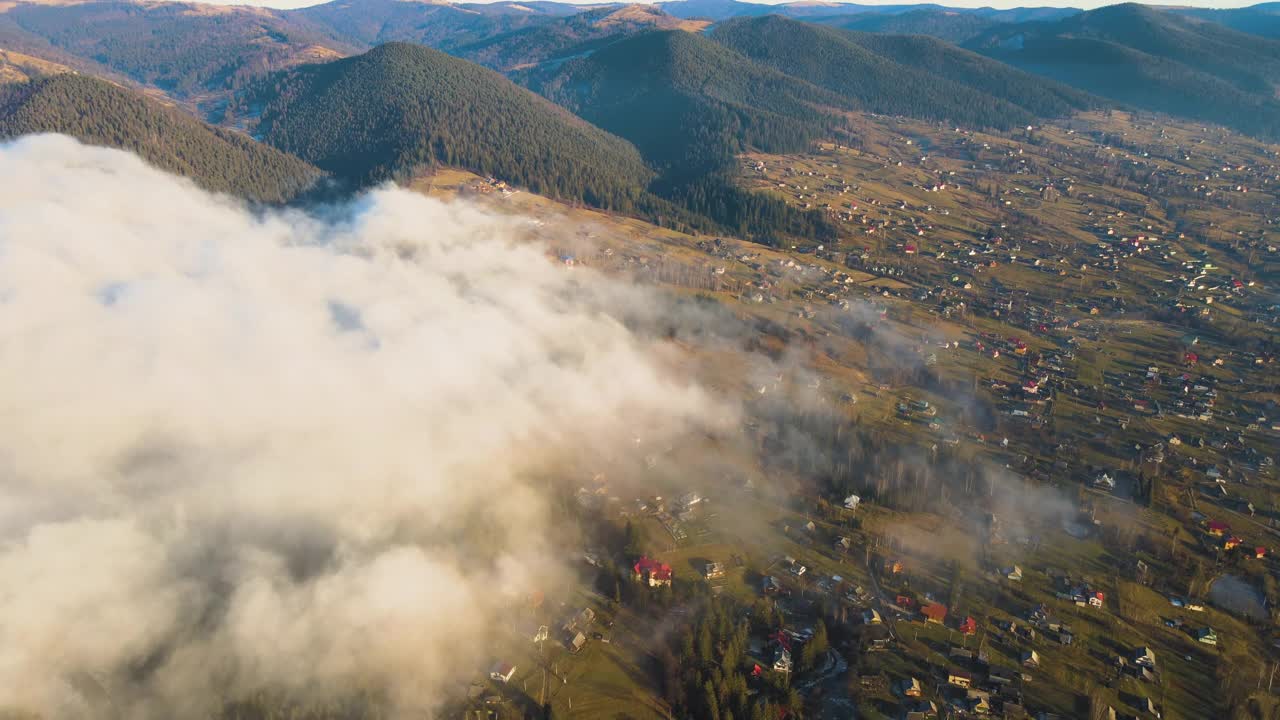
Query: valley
point(957, 337)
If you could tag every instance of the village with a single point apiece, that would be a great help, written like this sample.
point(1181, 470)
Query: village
point(1041, 369)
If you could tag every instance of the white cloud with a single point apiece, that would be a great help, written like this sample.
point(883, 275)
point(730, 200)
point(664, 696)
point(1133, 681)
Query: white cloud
point(247, 449)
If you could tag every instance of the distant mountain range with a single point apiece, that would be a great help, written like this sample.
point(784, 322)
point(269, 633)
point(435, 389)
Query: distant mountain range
point(1153, 60)
point(637, 108)
point(100, 113)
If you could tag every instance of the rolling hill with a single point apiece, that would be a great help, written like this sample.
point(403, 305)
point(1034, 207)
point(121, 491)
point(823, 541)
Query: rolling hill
point(1262, 19)
point(690, 105)
point(1151, 60)
point(686, 100)
point(401, 107)
point(189, 50)
point(571, 35)
point(441, 25)
point(947, 25)
point(917, 77)
point(99, 113)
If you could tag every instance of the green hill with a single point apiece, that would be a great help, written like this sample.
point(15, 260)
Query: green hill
point(916, 77)
point(944, 60)
point(100, 113)
point(568, 36)
point(681, 97)
point(400, 107)
point(1152, 60)
point(943, 24)
point(184, 49)
point(690, 105)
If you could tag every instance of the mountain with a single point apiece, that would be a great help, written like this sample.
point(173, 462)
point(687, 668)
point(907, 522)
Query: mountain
point(686, 100)
point(941, 59)
point(189, 50)
point(947, 25)
point(100, 113)
point(398, 107)
point(917, 77)
point(1151, 60)
point(815, 9)
point(441, 25)
point(1263, 19)
point(690, 105)
point(19, 67)
point(571, 35)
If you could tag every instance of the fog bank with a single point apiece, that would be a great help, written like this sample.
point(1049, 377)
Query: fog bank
point(250, 450)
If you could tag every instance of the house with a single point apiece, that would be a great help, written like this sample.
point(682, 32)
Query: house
point(1217, 528)
point(1206, 635)
point(577, 642)
point(1143, 657)
point(782, 660)
point(911, 688)
point(1013, 573)
point(870, 617)
point(502, 672)
point(1104, 482)
point(843, 544)
point(969, 626)
point(960, 679)
point(1096, 599)
point(652, 572)
point(770, 586)
point(1260, 552)
point(852, 502)
point(978, 701)
point(1031, 659)
point(713, 570)
point(1231, 543)
point(934, 612)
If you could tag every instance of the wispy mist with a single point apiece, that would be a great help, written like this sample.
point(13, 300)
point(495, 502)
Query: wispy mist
point(248, 450)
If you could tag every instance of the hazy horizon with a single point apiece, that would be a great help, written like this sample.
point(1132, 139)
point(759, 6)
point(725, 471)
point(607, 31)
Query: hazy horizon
point(961, 4)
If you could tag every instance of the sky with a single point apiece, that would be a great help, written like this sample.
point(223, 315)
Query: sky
point(1083, 4)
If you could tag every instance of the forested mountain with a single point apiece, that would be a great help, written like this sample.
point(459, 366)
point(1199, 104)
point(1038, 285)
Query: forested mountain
point(400, 107)
point(439, 25)
point(939, 83)
point(19, 67)
point(686, 100)
point(571, 35)
point(943, 60)
point(1262, 19)
point(948, 25)
point(100, 113)
point(815, 9)
point(690, 105)
point(182, 48)
point(1153, 60)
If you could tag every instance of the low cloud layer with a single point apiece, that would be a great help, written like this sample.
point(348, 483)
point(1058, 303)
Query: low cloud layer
point(244, 451)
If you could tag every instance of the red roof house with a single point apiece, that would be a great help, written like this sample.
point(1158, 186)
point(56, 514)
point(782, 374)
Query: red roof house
point(653, 572)
point(934, 612)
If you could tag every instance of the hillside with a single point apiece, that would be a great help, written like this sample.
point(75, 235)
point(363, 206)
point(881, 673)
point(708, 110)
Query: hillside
point(441, 25)
point(19, 67)
point(947, 25)
point(944, 60)
point(100, 113)
point(674, 94)
point(188, 50)
point(690, 105)
point(831, 59)
point(1152, 60)
point(398, 107)
point(1262, 19)
point(571, 35)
